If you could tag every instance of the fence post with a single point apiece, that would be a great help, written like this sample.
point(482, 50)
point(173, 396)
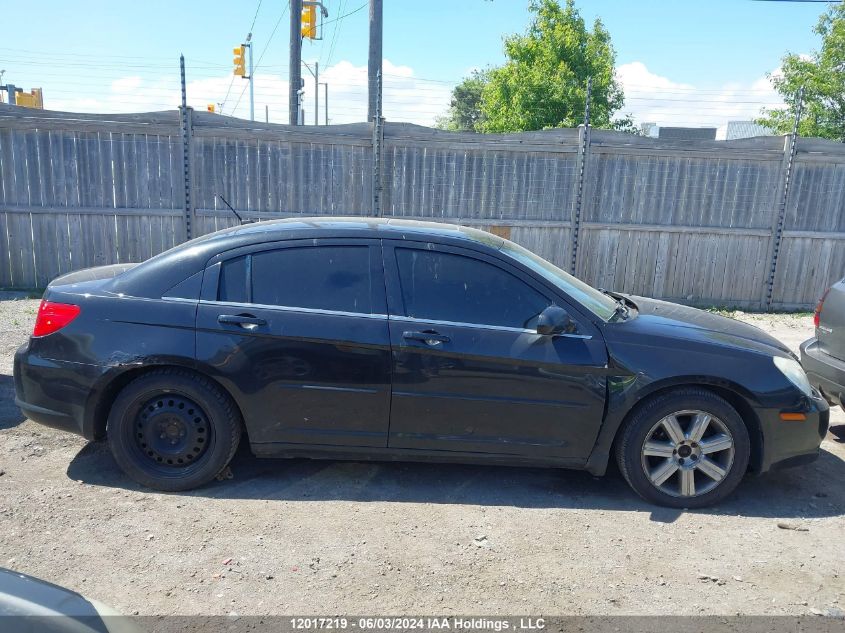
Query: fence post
point(186, 130)
point(789, 149)
point(378, 139)
point(583, 152)
point(186, 127)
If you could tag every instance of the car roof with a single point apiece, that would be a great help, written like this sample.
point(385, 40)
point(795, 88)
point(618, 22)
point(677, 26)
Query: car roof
point(331, 226)
point(164, 271)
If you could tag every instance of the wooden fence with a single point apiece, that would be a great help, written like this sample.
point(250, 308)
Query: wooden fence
point(745, 223)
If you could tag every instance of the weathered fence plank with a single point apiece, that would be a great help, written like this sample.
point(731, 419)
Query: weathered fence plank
point(687, 221)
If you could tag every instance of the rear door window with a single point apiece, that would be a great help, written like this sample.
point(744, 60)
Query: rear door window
point(336, 278)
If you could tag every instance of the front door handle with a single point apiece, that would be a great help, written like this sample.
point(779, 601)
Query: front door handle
point(429, 337)
point(246, 321)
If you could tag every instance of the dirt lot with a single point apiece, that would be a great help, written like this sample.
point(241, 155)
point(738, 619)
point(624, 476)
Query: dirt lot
point(334, 537)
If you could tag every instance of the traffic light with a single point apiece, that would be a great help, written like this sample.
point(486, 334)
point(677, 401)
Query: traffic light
point(240, 60)
point(309, 21)
point(33, 99)
point(210, 107)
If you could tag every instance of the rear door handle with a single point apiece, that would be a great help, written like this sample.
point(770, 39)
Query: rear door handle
point(429, 337)
point(246, 321)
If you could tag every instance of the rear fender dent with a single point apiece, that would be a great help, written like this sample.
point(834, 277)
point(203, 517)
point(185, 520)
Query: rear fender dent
point(115, 378)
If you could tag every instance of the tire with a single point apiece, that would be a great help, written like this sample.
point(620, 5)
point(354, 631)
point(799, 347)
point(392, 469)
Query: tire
point(173, 430)
point(699, 470)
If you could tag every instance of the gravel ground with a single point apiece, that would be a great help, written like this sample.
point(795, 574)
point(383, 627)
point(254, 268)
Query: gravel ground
point(343, 537)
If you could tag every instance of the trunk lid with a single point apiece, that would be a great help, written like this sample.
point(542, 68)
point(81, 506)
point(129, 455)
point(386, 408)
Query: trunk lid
point(830, 332)
point(90, 277)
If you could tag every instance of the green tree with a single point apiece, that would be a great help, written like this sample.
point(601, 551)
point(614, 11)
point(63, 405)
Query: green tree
point(822, 75)
point(543, 84)
point(465, 108)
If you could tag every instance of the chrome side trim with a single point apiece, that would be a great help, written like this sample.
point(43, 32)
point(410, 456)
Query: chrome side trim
point(263, 306)
point(480, 326)
point(180, 299)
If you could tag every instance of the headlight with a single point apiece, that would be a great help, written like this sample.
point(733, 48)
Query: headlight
point(794, 373)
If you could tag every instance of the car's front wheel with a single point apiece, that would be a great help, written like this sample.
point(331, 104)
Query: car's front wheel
point(173, 430)
point(687, 448)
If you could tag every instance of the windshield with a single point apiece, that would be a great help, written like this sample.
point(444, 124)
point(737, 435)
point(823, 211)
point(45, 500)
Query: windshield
point(599, 303)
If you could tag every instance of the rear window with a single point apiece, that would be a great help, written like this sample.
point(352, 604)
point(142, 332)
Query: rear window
point(316, 277)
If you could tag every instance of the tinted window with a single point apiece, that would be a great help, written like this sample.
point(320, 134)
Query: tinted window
point(446, 287)
point(598, 302)
point(318, 277)
point(233, 281)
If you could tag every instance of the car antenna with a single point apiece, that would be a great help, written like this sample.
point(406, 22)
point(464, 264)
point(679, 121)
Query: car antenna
point(232, 209)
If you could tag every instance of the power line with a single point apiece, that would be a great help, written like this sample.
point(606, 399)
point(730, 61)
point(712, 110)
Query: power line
point(346, 15)
point(264, 50)
point(232, 80)
point(255, 17)
point(229, 90)
point(335, 34)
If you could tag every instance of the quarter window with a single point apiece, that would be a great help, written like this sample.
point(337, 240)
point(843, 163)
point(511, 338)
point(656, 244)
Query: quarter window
point(445, 287)
point(317, 277)
point(233, 281)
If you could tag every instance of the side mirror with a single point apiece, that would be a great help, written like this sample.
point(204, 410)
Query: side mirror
point(553, 320)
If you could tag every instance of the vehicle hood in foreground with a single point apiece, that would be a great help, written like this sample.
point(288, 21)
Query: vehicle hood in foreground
point(30, 604)
point(673, 320)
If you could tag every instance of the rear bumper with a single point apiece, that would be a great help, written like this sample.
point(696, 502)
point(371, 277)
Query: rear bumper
point(825, 372)
point(49, 417)
point(55, 393)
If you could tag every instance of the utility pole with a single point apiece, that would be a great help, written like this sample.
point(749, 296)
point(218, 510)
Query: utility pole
point(266, 113)
point(11, 89)
point(374, 63)
point(295, 79)
point(316, 75)
point(251, 91)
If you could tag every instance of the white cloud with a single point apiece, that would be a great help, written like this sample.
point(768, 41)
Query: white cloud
point(406, 97)
point(653, 98)
point(126, 84)
point(649, 97)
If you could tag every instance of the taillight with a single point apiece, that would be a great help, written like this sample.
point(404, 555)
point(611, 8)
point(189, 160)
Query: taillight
point(53, 317)
point(818, 312)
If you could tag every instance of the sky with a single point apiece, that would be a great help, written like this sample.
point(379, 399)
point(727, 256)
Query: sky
point(680, 62)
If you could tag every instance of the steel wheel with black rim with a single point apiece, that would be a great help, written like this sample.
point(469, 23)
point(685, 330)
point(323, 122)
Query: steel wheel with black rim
point(173, 430)
point(686, 448)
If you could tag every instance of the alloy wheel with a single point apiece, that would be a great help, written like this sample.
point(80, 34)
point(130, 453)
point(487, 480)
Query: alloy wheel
point(688, 453)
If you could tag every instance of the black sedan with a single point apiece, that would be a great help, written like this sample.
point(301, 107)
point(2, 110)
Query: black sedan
point(387, 339)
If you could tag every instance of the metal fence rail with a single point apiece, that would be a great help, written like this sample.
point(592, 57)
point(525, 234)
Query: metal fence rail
point(701, 222)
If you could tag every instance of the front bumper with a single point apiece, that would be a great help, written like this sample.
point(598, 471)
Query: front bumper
point(793, 443)
point(825, 372)
point(55, 393)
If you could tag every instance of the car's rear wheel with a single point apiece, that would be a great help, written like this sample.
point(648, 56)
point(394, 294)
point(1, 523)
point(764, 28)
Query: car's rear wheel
point(684, 449)
point(173, 430)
